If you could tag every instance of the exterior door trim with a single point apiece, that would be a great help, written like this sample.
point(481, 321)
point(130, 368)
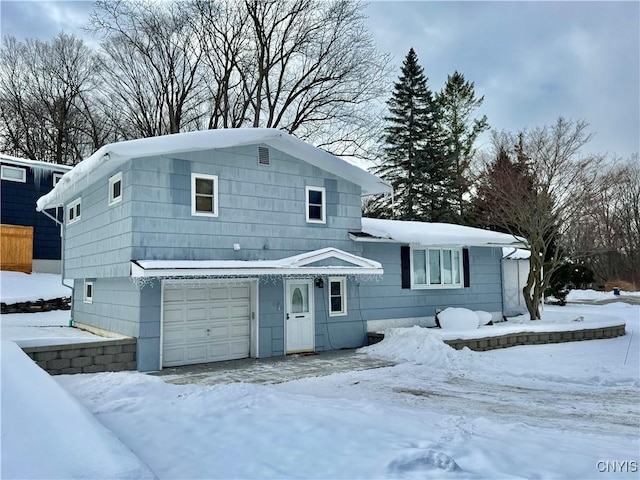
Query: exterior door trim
point(288, 313)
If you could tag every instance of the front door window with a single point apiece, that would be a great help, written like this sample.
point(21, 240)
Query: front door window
point(300, 299)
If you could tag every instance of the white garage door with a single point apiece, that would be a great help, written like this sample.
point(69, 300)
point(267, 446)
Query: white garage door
point(205, 323)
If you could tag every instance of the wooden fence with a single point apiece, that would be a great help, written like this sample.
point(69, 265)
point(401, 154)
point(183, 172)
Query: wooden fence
point(16, 251)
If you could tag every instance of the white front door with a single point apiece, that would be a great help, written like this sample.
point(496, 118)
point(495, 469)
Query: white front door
point(300, 328)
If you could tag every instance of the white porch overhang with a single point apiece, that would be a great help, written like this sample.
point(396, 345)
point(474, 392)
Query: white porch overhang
point(326, 261)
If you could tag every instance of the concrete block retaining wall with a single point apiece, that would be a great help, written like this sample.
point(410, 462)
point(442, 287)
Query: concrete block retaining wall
point(37, 306)
point(525, 338)
point(107, 356)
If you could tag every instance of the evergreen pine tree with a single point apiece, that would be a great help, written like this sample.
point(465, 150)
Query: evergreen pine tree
point(415, 163)
point(458, 102)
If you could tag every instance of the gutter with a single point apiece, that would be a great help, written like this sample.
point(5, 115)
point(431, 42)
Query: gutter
point(62, 228)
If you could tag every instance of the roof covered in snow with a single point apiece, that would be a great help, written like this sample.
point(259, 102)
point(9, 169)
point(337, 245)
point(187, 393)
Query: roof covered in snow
point(432, 234)
point(25, 162)
point(509, 253)
point(114, 154)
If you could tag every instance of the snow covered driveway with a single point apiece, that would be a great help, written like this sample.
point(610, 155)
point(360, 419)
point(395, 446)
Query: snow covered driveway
point(568, 410)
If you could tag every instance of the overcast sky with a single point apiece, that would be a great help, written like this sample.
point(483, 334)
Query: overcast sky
point(532, 61)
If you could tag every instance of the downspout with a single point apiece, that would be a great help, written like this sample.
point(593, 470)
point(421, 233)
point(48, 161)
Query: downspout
point(61, 224)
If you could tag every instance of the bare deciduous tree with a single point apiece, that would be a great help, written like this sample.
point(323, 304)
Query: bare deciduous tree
point(607, 237)
point(151, 61)
point(309, 67)
point(44, 87)
point(560, 184)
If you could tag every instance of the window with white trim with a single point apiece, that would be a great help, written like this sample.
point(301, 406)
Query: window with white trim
point(204, 194)
point(88, 292)
point(56, 178)
point(73, 211)
point(436, 268)
point(13, 174)
point(337, 296)
point(316, 204)
point(115, 189)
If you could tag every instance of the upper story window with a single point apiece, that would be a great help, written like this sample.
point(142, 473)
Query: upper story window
point(13, 174)
point(56, 178)
point(337, 296)
point(73, 211)
point(115, 188)
point(436, 268)
point(316, 204)
point(204, 194)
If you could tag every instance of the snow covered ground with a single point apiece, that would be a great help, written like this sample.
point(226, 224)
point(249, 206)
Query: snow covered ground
point(45, 328)
point(18, 287)
point(593, 295)
point(569, 410)
point(35, 329)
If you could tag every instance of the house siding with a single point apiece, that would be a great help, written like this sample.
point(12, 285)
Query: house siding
point(271, 322)
point(385, 299)
point(99, 244)
point(262, 208)
point(18, 202)
point(121, 307)
point(343, 331)
point(115, 305)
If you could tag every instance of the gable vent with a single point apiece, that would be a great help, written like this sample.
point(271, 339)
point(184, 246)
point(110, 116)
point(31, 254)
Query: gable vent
point(263, 156)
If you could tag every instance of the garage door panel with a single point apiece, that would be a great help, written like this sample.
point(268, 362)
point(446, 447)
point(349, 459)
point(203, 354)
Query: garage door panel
point(173, 295)
point(197, 354)
point(219, 332)
point(206, 324)
point(240, 329)
point(197, 294)
point(239, 311)
point(219, 352)
point(219, 293)
point(240, 291)
point(173, 336)
point(197, 314)
point(218, 312)
point(196, 332)
point(237, 349)
point(173, 356)
point(174, 314)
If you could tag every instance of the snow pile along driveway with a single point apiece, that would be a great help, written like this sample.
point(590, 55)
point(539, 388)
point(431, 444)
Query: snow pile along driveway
point(46, 433)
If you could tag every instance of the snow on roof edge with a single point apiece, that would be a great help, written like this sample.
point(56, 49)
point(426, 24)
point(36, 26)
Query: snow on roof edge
point(119, 152)
point(512, 253)
point(27, 162)
point(436, 234)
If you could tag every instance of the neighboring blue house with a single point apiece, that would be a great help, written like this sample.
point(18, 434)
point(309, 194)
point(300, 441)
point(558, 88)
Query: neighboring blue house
point(226, 244)
point(23, 182)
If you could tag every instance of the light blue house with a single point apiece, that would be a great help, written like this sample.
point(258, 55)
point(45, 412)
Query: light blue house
point(227, 244)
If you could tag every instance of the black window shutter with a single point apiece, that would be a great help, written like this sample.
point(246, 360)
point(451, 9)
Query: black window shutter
point(405, 261)
point(465, 267)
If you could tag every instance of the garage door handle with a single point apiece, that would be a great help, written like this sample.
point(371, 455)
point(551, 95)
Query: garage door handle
point(299, 316)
